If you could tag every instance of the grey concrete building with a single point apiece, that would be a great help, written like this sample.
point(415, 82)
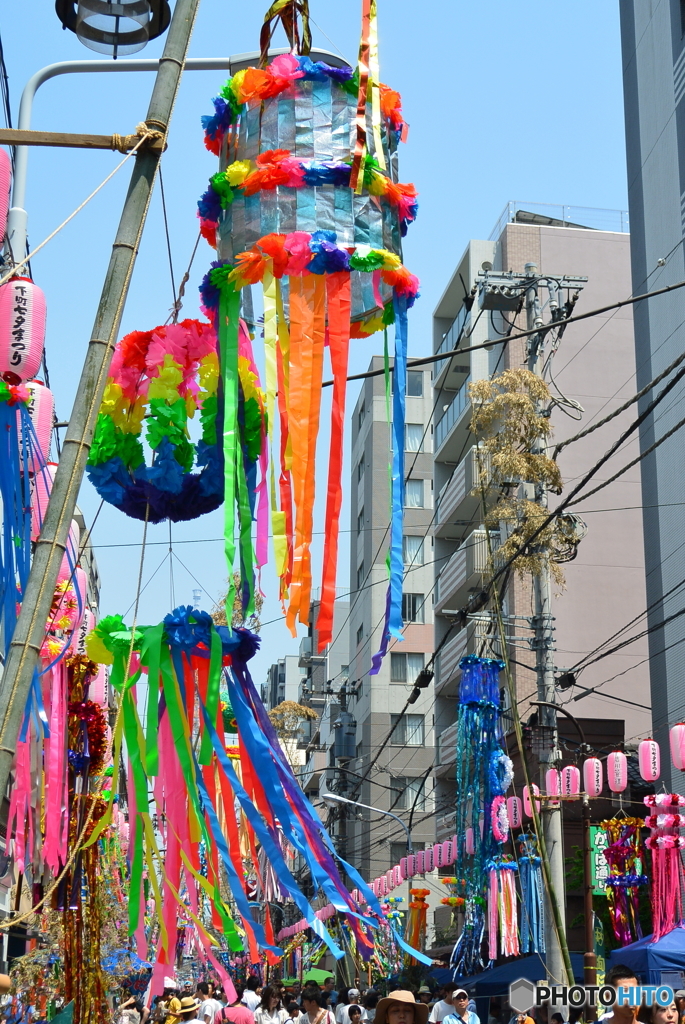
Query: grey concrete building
point(400, 778)
point(595, 367)
point(283, 681)
point(653, 43)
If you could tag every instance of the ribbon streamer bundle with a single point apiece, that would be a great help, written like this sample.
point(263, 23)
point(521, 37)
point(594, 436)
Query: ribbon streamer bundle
point(483, 774)
point(665, 844)
point(306, 202)
point(229, 817)
point(532, 896)
point(625, 858)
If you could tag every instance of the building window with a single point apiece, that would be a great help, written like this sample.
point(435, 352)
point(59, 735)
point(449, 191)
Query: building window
point(360, 576)
point(359, 751)
point(360, 521)
point(345, 671)
point(413, 437)
point(360, 415)
point(414, 384)
point(408, 793)
point(360, 468)
point(412, 547)
point(408, 730)
point(412, 607)
point(399, 850)
point(360, 634)
point(413, 497)
point(404, 668)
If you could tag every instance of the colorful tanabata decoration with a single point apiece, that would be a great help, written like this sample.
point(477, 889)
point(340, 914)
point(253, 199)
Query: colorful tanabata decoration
point(532, 896)
point(483, 773)
point(624, 856)
point(238, 806)
point(666, 843)
point(307, 203)
point(159, 379)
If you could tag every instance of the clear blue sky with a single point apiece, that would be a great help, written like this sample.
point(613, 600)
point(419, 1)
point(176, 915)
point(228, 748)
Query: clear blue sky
point(505, 101)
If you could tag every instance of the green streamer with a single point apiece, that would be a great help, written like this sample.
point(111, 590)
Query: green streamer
point(229, 313)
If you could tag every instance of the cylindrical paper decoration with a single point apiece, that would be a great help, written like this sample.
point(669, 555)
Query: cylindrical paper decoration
point(469, 844)
point(617, 771)
point(527, 804)
point(514, 811)
point(411, 864)
point(403, 868)
point(420, 862)
point(81, 585)
point(390, 879)
point(355, 895)
point(448, 849)
point(593, 776)
point(678, 746)
point(570, 780)
point(437, 855)
point(383, 885)
point(41, 409)
point(428, 859)
point(552, 782)
point(22, 329)
point(71, 554)
point(398, 875)
point(5, 186)
point(649, 757)
point(78, 640)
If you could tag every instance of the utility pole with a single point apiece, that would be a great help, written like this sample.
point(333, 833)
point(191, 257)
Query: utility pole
point(543, 645)
point(29, 631)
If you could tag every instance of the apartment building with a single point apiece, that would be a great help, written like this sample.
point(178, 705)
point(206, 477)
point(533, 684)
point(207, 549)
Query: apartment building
point(595, 368)
point(283, 681)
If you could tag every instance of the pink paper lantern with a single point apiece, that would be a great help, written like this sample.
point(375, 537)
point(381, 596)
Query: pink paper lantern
point(448, 852)
point(677, 736)
point(593, 776)
point(469, 844)
point(22, 329)
point(383, 885)
point(514, 811)
point(527, 802)
point(428, 859)
point(78, 640)
point(403, 868)
point(437, 855)
point(71, 554)
point(570, 780)
point(411, 864)
point(5, 186)
point(398, 876)
point(41, 486)
point(617, 771)
point(421, 862)
point(553, 784)
point(649, 757)
point(41, 409)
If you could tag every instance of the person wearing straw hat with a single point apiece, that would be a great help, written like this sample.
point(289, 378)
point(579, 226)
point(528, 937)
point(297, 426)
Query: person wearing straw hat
point(188, 1011)
point(400, 1007)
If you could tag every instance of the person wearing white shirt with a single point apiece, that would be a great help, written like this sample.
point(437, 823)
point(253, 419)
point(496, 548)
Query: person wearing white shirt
point(342, 1011)
point(444, 1006)
point(270, 1010)
point(251, 997)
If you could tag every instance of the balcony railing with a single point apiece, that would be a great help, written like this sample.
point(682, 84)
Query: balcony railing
point(450, 338)
point(454, 411)
point(466, 564)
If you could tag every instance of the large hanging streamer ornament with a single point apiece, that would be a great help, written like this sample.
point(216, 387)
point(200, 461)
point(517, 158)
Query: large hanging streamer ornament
point(416, 922)
point(532, 896)
point(665, 843)
point(301, 208)
point(625, 859)
point(241, 804)
point(483, 773)
point(160, 379)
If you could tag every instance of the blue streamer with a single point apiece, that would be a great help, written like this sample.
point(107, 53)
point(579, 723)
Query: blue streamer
point(399, 388)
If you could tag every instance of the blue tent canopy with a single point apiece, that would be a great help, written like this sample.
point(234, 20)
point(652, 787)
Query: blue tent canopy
point(495, 981)
point(652, 959)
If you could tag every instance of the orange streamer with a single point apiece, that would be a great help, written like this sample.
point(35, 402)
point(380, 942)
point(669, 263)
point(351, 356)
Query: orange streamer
point(363, 67)
point(307, 332)
point(338, 306)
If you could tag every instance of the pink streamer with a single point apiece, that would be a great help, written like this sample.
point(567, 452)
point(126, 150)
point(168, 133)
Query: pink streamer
point(56, 823)
point(376, 282)
point(493, 897)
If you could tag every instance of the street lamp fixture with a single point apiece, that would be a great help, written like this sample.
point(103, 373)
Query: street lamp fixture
point(334, 798)
point(117, 28)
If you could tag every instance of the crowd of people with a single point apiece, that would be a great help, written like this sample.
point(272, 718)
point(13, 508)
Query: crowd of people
point(277, 1003)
